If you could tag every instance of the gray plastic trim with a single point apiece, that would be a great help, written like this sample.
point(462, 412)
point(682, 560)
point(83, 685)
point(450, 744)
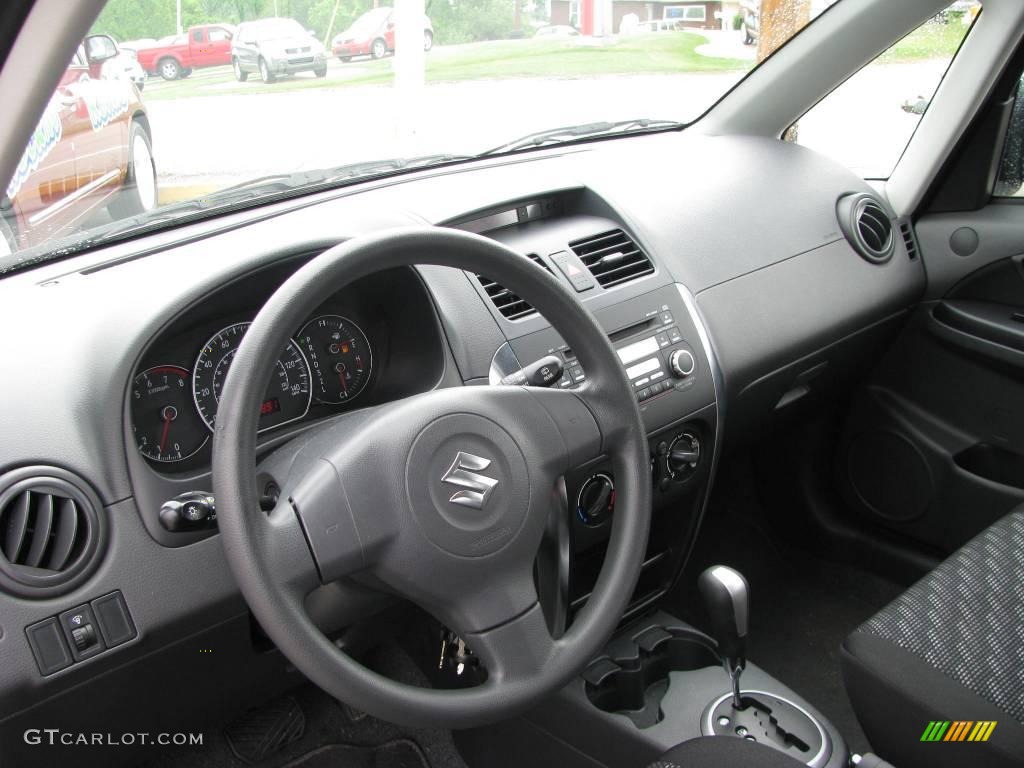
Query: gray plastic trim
point(720, 405)
point(818, 761)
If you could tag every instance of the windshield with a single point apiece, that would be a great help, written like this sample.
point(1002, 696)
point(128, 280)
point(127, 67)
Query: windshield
point(290, 104)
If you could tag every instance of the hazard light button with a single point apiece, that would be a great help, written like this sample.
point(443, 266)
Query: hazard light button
point(573, 268)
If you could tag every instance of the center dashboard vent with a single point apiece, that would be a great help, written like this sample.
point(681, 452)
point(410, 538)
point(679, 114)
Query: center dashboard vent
point(50, 531)
point(612, 258)
point(867, 226)
point(509, 304)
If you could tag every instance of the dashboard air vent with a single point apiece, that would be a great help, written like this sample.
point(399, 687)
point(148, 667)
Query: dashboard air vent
point(50, 531)
point(909, 239)
point(867, 226)
point(612, 257)
point(509, 304)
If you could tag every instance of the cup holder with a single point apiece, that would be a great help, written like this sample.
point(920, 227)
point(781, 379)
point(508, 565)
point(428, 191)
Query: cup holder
point(634, 679)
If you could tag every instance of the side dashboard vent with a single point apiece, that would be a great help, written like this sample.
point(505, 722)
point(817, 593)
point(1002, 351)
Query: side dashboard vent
point(612, 258)
point(50, 531)
point(509, 304)
point(867, 226)
point(909, 239)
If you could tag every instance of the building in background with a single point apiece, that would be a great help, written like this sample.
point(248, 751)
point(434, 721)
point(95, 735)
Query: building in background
point(706, 14)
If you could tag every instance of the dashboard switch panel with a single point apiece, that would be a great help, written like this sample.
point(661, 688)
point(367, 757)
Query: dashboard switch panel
point(115, 623)
point(79, 626)
point(49, 646)
point(81, 633)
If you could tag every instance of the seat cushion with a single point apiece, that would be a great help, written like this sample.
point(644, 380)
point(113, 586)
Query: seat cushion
point(950, 648)
point(724, 752)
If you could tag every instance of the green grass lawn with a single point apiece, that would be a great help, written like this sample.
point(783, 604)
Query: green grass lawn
point(668, 52)
point(932, 40)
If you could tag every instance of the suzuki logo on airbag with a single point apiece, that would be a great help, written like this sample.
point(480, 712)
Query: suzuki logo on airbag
point(463, 474)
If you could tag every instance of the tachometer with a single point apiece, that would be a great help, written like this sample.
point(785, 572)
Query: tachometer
point(288, 394)
point(164, 419)
point(339, 358)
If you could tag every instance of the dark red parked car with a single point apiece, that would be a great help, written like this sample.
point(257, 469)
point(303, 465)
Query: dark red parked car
point(373, 34)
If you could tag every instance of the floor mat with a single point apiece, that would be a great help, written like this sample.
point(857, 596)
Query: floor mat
point(801, 609)
point(334, 735)
point(394, 754)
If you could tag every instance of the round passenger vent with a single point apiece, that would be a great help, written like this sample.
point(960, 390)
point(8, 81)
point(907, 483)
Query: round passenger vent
point(51, 531)
point(867, 226)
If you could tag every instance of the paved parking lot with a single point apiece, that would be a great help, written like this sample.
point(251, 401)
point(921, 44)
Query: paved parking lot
point(223, 133)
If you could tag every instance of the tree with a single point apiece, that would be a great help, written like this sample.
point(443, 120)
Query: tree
point(780, 20)
point(466, 21)
point(134, 19)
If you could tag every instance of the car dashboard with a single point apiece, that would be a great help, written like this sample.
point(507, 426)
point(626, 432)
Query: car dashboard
point(693, 253)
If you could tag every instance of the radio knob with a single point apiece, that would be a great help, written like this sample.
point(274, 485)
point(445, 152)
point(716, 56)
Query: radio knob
point(681, 363)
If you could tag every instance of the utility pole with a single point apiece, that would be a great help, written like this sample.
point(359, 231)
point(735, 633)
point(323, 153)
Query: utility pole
point(330, 26)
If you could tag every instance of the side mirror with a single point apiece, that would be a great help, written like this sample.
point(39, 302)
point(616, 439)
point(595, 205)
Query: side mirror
point(99, 48)
point(311, 32)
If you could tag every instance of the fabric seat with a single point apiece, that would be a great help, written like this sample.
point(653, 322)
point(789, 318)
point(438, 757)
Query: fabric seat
point(724, 752)
point(948, 650)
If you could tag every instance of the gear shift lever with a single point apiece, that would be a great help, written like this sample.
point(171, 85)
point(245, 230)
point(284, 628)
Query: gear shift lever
point(726, 597)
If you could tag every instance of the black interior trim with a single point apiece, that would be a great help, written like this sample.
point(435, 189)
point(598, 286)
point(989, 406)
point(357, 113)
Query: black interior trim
point(966, 179)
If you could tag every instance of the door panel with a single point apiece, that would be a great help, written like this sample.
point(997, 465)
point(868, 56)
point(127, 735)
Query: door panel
point(996, 231)
point(933, 447)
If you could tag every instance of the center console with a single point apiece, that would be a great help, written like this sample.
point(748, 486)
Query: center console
point(660, 347)
point(659, 681)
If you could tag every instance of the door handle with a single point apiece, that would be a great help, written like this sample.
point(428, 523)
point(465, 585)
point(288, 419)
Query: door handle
point(982, 327)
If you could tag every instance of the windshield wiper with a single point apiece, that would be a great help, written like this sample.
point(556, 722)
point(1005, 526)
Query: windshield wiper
point(585, 131)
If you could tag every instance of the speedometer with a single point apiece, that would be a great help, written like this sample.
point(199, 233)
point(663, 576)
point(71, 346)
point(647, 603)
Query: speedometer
point(288, 394)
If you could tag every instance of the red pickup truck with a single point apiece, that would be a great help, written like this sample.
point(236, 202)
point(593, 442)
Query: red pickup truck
point(206, 45)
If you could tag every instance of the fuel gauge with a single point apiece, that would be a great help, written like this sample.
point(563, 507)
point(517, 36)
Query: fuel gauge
point(339, 356)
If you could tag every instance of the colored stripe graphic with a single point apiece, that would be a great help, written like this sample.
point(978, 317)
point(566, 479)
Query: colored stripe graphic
point(958, 730)
point(935, 730)
point(982, 730)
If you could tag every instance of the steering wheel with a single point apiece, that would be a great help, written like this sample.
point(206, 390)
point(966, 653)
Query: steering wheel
point(441, 498)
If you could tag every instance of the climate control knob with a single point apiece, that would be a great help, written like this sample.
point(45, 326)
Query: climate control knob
point(596, 499)
point(684, 454)
point(681, 363)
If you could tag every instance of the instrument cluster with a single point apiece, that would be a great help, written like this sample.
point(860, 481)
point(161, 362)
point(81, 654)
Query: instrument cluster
point(328, 362)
